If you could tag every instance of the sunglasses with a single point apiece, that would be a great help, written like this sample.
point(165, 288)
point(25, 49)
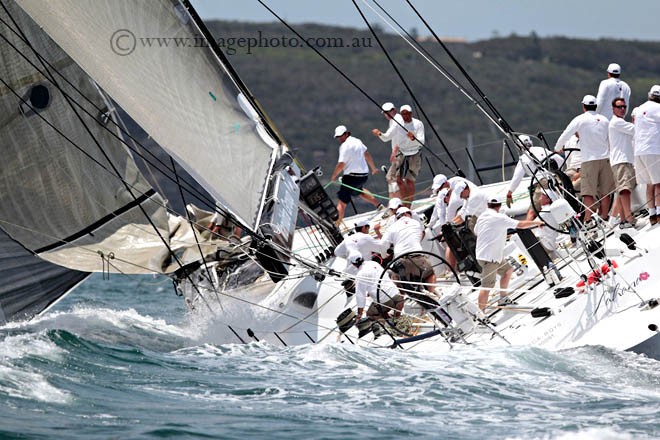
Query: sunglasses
point(620, 106)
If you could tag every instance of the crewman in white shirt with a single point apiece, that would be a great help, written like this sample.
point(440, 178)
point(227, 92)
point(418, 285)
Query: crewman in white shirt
point(491, 229)
point(384, 295)
point(646, 118)
point(528, 165)
point(408, 154)
point(360, 241)
point(611, 88)
point(406, 235)
point(597, 180)
point(395, 133)
point(622, 156)
point(355, 162)
point(439, 188)
point(573, 161)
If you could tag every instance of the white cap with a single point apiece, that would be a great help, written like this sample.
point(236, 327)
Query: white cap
point(394, 203)
point(458, 186)
point(526, 140)
point(387, 107)
point(362, 222)
point(402, 210)
point(354, 256)
point(438, 181)
point(495, 201)
point(614, 68)
point(340, 130)
point(443, 193)
point(655, 90)
point(589, 100)
point(405, 108)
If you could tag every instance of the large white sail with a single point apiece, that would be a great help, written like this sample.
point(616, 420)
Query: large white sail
point(150, 57)
point(69, 190)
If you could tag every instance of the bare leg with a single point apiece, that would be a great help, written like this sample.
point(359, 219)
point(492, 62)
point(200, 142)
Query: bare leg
point(366, 195)
point(624, 204)
point(341, 208)
point(449, 256)
point(504, 283)
point(589, 202)
point(604, 208)
point(483, 299)
point(531, 214)
point(617, 206)
point(656, 203)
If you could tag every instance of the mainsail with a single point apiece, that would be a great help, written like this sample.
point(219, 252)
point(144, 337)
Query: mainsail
point(70, 192)
point(150, 57)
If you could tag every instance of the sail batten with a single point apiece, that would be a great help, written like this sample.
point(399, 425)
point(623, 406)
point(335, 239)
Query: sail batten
point(182, 96)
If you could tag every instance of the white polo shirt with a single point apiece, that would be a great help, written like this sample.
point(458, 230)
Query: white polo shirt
point(395, 132)
point(647, 128)
point(621, 141)
point(405, 234)
point(527, 167)
point(366, 284)
point(351, 153)
point(476, 204)
point(408, 147)
point(365, 244)
point(593, 131)
point(609, 89)
point(490, 230)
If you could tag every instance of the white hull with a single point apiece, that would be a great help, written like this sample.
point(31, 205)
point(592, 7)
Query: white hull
point(613, 312)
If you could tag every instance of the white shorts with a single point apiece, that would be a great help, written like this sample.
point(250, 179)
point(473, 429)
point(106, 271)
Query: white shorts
point(647, 169)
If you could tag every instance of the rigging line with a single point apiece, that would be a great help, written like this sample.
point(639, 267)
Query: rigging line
point(456, 169)
point(346, 77)
point(101, 149)
point(419, 48)
point(199, 247)
point(502, 122)
point(191, 190)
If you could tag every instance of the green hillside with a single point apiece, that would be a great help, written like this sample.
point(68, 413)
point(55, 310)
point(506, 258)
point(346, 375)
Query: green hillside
point(536, 84)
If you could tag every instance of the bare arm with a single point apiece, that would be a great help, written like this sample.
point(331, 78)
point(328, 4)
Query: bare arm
point(370, 162)
point(526, 224)
point(338, 169)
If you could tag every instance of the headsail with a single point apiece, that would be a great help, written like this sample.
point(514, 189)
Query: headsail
point(61, 196)
point(30, 285)
point(150, 57)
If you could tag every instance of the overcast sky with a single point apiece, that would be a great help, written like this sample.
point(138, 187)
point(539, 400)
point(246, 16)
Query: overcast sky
point(471, 19)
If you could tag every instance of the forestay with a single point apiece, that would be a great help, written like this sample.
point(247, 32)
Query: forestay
point(151, 59)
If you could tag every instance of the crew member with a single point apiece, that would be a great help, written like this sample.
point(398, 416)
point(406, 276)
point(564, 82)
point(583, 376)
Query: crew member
point(646, 118)
point(355, 162)
point(360, 241)
point(597, 179)
point(368, 282)
point(491, 230)
point(395, 133)
point(529, 164)
point(610, 88)
point(622, 156)
point(408, 154)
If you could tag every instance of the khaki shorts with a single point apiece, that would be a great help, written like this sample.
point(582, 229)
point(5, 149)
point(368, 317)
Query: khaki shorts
point(376, 309)
point(624, 176)
point(647, 167)
point(597, 178)
point(490, 270)
point(405, 167)
point(416, 268)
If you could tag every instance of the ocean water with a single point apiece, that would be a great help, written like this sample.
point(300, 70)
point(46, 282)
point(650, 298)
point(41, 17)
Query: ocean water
point(121, 360)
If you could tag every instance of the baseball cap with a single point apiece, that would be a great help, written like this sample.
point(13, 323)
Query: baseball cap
point(387, 107)
point(526, 140)
point(459, 186)
point(354, 256)
point(495, 201)
point(443, 193)
point(394, 203)
point(362, 222)
point(340, 130)
point(614, 68)
point(589, 100)
point(405, 108)
point(402, 210)
point(655, 90)
point(438, 181)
